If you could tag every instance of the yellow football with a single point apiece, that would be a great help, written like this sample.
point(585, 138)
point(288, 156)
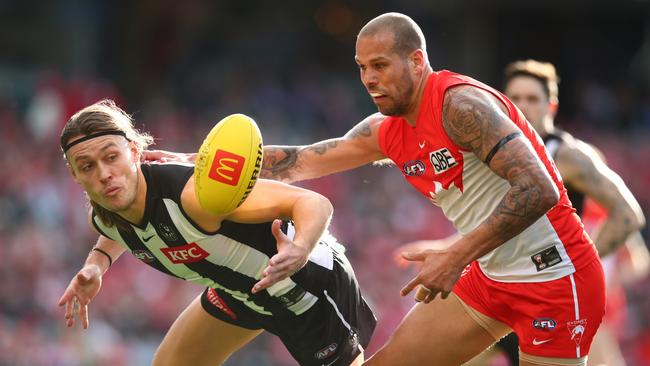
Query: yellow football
point(228, 164)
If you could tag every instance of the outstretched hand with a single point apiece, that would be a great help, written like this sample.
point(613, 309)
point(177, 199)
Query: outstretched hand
point(289, 260)
point(418, 246)
point(163, 156)
point(82, 289)
point(438, 274)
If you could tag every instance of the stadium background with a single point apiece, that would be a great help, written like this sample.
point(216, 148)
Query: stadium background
point(181, 66)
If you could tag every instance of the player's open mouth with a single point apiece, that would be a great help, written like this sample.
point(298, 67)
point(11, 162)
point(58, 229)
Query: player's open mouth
point(377, 95)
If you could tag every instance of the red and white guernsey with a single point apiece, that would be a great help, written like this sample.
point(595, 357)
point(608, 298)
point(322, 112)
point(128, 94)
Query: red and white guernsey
point(467, 190)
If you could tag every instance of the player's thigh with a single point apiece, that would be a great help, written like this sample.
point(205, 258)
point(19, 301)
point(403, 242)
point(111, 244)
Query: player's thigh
point(197, 338)
point(530, 360)
point(439, 333)
point(605, 349)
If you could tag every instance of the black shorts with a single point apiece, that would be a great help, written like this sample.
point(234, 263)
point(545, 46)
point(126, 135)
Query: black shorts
point(331, 332)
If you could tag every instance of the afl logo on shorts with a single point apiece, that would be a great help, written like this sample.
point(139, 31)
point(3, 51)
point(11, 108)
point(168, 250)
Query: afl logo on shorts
point(547, 324)
point(326, 352)
point(413, 168)
point(226, 167)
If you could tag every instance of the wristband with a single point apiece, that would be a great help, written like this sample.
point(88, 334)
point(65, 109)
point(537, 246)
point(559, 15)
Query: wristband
point(110, 260)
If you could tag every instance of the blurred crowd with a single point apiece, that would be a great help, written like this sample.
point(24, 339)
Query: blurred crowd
point(45, 236)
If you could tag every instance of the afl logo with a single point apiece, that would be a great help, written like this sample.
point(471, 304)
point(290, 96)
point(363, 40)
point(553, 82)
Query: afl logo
point(326, 352)
point(413, 168)
point(544, 324)
point(144, 255)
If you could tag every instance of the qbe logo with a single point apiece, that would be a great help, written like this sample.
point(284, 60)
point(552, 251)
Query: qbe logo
point(442, 160)
point(226, 167)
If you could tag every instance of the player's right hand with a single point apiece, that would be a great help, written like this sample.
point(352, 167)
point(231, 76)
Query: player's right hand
point(289, 259)
point(163, 156)
point(82, 289)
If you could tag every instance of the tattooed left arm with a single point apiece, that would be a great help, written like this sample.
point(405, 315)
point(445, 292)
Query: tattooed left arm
point(477, 121)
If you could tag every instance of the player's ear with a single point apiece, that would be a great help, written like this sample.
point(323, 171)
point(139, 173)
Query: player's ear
point(135, 151)
point(72, 172)
point(553, 106)
point(417, 60)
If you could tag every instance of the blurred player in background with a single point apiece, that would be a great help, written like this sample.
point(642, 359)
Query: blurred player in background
point(533, 87)
point(523, 255)
point(261, 273)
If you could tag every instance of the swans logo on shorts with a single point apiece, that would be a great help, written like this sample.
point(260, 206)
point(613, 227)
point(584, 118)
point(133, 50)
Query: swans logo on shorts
point(577, 329)
point(413, 168)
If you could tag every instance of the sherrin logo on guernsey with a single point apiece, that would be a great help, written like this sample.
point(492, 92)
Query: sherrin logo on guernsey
point(226, 167)
point(189, 253)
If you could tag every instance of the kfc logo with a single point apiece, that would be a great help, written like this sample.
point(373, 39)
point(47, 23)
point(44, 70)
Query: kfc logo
point(189, 253)
point(226, 167)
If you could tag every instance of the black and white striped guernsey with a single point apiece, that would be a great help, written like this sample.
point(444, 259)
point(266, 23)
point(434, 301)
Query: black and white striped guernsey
point(232, 259)
point(553, 141)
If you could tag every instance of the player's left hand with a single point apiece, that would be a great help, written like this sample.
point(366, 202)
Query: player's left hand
point(289, 260)
point(438, 274)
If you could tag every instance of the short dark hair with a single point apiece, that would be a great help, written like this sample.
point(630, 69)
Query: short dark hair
point(544, 72)
point(408, 36)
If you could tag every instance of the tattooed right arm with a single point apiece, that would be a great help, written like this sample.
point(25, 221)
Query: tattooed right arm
point(295, 163)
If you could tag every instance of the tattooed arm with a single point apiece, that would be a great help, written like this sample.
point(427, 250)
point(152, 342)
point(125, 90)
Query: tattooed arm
point(477, 121)
point(295, 163)
point(581, 167)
